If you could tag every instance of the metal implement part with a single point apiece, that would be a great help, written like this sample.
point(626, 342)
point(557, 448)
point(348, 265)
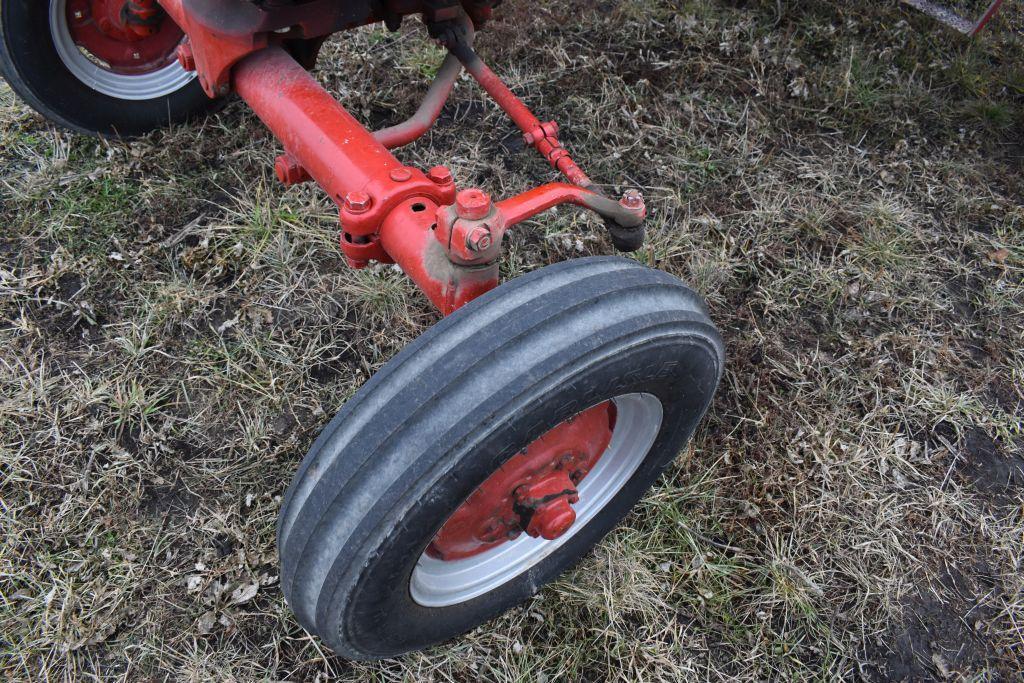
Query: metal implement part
point(447, 241)
point(954, 20)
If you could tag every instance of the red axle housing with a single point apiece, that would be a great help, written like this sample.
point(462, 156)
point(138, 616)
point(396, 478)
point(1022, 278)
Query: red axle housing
point(389, 212)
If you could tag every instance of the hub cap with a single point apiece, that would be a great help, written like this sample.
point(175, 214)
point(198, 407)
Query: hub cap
point(121, 48)
point(550, 491)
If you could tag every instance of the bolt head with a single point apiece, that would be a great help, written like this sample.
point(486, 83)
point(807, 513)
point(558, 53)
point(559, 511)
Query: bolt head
point(289, 171)
point(136, 55)
point(281, 169)
point(479, 239)
point(357, 202)
point(400, 175)
point(186, 58)
point(357, 264)
point(472, 204)
point(79, 14)
point(632, 199)
point(440, 175)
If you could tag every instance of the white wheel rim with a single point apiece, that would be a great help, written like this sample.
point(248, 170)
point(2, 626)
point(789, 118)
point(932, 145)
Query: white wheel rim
point(439, 583)
point(159, 83)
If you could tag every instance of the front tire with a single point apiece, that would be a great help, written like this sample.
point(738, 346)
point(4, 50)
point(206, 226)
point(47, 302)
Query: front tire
point(450, 410)
point(44, 55)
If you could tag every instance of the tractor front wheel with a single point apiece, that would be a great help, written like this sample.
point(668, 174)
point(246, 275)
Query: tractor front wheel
point(493, 453)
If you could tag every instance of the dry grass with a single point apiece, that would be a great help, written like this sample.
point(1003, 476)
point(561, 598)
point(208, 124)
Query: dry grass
point(841, 180)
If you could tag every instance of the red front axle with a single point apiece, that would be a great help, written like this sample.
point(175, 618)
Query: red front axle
point(389, 212)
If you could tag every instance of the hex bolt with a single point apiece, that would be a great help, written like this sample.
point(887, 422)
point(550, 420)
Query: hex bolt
point(357, 202)
point(355, 263)
point(79, 14)
point(440, 175)
point(400, 175)
point(136, 56)
point(289, 171)
point(472, 204)
point(633, 200)
point(479, 239)
point(186, 58)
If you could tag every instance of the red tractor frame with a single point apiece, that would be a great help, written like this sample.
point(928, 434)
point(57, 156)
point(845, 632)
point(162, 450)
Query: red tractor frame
point(447, 239)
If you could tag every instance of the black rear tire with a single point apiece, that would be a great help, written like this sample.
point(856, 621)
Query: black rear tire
point(447, 411)
point(32, 66)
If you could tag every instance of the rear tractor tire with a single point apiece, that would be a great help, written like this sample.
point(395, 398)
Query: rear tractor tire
point(89, 67)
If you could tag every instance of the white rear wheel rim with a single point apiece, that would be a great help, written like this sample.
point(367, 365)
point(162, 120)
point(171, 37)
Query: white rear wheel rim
point(159, 83)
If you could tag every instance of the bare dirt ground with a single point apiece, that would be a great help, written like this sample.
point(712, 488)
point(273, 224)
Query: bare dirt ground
point(843, 182)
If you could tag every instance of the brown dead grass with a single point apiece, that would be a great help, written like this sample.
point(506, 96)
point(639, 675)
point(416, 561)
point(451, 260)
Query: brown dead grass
point(842, 181)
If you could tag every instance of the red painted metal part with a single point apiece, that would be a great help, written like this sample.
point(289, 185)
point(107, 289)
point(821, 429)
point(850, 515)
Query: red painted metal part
point(388, 212)
point(460, 231)
point(386, 209)
point(543, 136)
point(128, 36)
point(333, 148)
point(406, 236)
point(215, 47)
point(223, 32)
point(532, 492)
point(420, 122)
point(988, 16)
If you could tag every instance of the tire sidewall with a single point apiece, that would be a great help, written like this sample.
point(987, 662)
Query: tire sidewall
point(380, 617)
point(42, 79)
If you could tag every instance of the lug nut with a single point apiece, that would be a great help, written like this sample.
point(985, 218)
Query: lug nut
point(357, 202)
point(478, 239)
point(472, 204)
point(400, 175)
point(186, 57)
point(440, 175)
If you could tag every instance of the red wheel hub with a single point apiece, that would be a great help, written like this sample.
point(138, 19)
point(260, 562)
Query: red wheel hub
point(128, 36)
point(533, 492)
